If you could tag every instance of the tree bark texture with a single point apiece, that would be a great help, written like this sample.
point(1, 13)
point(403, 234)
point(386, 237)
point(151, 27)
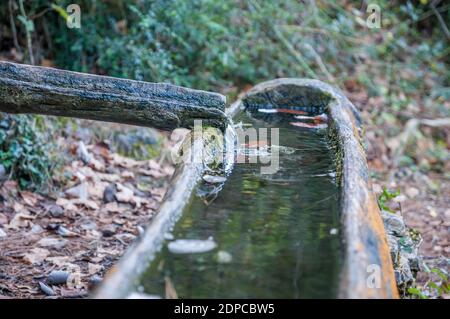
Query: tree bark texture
point(48, 91)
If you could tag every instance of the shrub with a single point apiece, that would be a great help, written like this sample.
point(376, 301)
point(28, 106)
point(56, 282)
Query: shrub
point(23, 153)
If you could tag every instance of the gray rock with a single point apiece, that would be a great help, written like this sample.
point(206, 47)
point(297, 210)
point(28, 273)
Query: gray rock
point(404, 249)
point(95, 280)
point(58, 277)
point(46, 289)
point(393, 223)
point(63, 231)
point(109, 230)
point(56, 211)
point(2, 170)
point(2, 233)
point(109, 193)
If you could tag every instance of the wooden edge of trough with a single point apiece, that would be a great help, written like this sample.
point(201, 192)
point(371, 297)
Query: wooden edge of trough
point(367, 270)
point(122, 277)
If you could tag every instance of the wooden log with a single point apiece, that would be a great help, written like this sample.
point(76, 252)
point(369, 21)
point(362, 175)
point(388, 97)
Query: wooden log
point(48, 91)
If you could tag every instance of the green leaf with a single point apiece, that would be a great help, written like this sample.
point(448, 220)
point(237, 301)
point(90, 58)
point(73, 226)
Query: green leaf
point(417, 292)
point(29, 25)
point(60, 10)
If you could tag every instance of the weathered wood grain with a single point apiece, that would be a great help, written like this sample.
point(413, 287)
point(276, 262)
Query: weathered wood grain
point(48, 91)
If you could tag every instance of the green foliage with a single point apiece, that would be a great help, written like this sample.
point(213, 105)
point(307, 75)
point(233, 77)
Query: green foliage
point(417, 292)
point(226, 45)
point(385, 197)
point(438, 284)
point(23, 153)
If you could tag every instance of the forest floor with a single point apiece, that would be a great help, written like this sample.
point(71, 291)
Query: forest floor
point(423, 200)
point(104, 203)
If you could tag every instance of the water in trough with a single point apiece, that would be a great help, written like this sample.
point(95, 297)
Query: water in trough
point(264, 236)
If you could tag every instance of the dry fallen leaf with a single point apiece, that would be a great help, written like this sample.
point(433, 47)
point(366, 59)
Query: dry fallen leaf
point(127, 175)
point(51, 242)
point(108, 177)
point(30, 198)
point(58, 261)
point(152, 172)
point(112, 207)
point(66, 204)
point(124, 161)
point(124, 194)
point(80, 191)
point(36, 255)
point(100, 149)
point(94, 268)
point(97, 165)
point(86, 203)
point(152, 164)
point(96, 189)
point(22, 219)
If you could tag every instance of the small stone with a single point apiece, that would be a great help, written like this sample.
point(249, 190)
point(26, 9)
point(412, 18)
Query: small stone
point(63, 231)
point(58, 277)
point(109, 193)
point(140, 230)
point(109, 230)
point(2, 233)
point(46, 289)
point(412, 192)
point(56, 211)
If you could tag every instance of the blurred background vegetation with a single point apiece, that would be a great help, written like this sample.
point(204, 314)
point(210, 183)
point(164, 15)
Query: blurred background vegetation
point(397, 72)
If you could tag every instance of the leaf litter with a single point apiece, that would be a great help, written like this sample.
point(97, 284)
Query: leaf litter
point(74, 232)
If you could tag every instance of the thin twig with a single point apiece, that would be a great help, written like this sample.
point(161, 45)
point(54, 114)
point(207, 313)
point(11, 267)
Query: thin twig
point(440, 19)
point(320, 63)
point(410, 127)
point(40, 14)
point(28, 33)
point(297, 55)
point(13, 26)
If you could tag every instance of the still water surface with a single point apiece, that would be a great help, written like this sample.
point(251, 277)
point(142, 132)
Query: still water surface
point(276, 236)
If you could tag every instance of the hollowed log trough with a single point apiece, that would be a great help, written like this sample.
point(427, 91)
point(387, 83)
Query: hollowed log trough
point(26, 89)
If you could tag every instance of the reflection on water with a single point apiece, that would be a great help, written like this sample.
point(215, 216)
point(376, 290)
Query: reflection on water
point(275, 234)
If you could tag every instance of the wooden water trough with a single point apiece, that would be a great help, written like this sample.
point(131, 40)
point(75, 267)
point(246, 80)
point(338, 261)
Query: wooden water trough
point(25, 89)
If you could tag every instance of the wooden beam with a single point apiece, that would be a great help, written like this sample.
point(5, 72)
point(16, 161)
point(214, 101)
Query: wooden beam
point(48, 91)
